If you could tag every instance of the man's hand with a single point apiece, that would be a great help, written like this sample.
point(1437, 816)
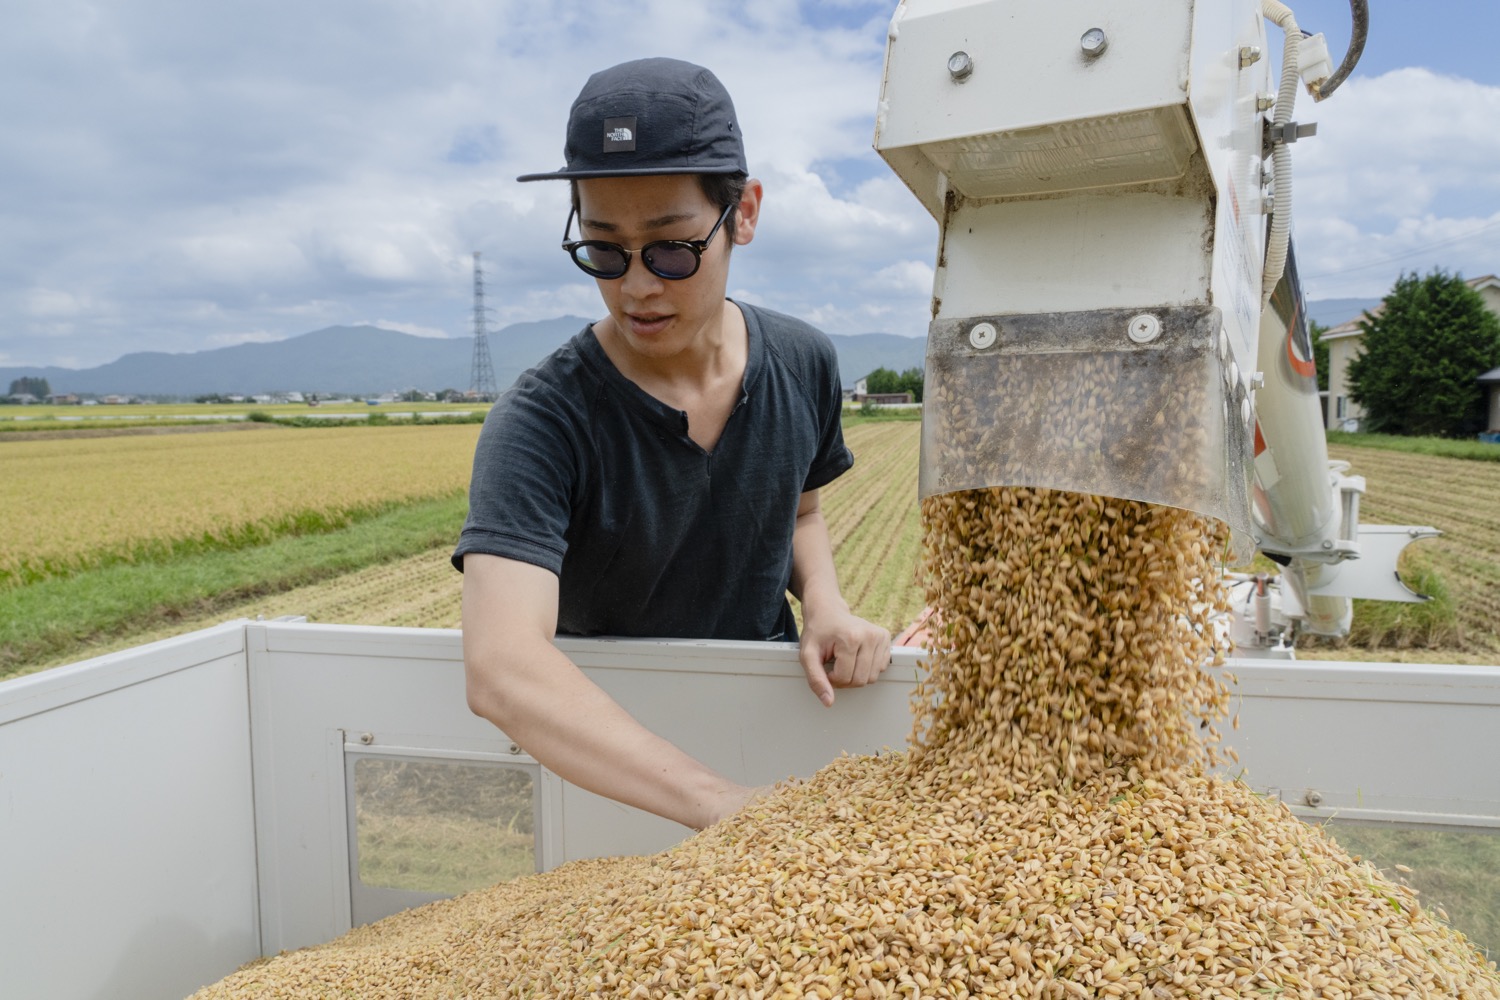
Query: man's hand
point(732, 799)
point(841, 650)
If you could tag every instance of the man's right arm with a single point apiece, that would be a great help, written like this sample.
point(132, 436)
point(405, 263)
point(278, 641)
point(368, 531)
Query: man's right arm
point(518, 680)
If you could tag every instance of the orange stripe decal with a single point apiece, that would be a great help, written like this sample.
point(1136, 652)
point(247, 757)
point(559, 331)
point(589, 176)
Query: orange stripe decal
point(1307, 369)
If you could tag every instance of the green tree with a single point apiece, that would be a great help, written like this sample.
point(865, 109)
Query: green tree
point(911, 381)
point(37, 387)
point(1422, 354)
point(1315, 331)
point(882, 380)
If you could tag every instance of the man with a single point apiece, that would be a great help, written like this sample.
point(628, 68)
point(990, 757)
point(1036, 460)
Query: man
point(658, 475)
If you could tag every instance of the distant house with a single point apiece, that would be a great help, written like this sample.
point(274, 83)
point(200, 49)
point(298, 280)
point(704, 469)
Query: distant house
point(1344, 344)
point(1491, 381)
point(861, 395)
point(113, 400)
point(64, 399)
point(22, 399)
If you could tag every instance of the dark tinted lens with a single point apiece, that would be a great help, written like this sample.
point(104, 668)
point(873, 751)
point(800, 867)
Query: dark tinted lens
point(670, 259)
point(603, 259)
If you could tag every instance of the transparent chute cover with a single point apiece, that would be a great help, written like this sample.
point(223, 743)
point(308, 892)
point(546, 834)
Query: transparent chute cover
point(1069, 401)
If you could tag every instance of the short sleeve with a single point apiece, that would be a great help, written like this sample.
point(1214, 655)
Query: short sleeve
point(525, 479)
point(833, 457)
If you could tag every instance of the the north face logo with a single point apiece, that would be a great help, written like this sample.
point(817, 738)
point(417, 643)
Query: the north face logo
point(619, 135)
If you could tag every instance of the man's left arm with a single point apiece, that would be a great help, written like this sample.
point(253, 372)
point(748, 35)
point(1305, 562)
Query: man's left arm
point(839, 649)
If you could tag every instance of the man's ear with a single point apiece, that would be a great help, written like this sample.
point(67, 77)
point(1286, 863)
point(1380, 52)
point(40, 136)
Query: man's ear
point(748, 212)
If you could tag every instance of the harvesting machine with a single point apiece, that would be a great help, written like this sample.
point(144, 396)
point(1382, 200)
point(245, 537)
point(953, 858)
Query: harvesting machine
point(1115, 311)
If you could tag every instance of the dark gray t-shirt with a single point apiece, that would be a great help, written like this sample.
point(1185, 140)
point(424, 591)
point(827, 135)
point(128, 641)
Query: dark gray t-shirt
point(580, 471)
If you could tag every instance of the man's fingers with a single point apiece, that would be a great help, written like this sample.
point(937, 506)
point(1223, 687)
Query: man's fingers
point(817, 676)
point(842, 666)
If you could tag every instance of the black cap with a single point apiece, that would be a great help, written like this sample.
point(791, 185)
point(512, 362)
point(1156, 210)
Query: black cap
point(651, 116)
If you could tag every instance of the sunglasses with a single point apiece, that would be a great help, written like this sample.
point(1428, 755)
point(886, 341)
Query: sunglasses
point(672, 260)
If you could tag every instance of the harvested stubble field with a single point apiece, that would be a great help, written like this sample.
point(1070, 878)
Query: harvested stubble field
point(1457, 497)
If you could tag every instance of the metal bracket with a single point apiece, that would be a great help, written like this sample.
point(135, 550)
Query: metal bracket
point(1290, 132)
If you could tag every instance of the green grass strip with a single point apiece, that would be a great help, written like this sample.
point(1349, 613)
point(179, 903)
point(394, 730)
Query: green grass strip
point(167, 550)
point(46, 619)
point(878, 415)
point(1478, 451)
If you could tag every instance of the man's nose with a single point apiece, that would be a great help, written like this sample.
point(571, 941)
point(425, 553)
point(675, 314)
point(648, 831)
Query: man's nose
point(638, 282)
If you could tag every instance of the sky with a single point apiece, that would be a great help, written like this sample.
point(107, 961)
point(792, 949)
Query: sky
point(179, 176)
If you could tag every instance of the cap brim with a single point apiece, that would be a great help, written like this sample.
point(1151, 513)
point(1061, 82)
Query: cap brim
point(578, 175)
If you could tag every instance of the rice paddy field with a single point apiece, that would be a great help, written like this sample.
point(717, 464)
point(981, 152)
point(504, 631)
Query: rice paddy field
point(112, 510)
point(29, 420)
point(74, 504)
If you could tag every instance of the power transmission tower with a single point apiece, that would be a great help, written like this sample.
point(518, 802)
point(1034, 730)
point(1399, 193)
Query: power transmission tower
point(482, 372)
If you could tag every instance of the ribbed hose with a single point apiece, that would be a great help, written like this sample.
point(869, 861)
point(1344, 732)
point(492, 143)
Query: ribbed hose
point(1281, 157)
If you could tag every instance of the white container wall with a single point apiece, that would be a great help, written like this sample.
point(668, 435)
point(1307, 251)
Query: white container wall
point(172, 812)
point(127, 824)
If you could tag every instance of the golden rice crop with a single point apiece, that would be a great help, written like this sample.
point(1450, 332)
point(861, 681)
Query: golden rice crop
point(1053, 832)
point(74, 503)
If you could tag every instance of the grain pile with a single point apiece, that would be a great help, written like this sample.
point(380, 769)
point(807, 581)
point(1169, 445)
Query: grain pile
point(1054, 831)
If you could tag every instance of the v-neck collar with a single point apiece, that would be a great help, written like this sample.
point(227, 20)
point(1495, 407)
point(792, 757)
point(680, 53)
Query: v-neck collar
point(593, 354)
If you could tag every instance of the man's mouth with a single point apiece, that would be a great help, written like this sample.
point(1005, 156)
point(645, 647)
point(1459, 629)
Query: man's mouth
point(647, 324)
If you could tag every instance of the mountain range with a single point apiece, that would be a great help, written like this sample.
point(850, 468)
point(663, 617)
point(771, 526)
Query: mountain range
point(365, 360)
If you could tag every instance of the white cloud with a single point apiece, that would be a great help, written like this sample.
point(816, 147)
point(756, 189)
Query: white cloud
point(245, 337)
point(1401, 176)
point(415, 329)
point(177, 173)
point(54, 303)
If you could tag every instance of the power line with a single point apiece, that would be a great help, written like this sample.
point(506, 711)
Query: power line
point(1414, 252)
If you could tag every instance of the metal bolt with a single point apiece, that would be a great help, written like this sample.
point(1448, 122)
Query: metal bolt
point(1265, 102)
point(1094, 42)
point(1257, 380)
point(983, 335)
point(1327, 544)
point(1313, 798)
point(960, 66)
point(515, 748)
point(1144, 328)
point(367, 738)
point(1249, 55)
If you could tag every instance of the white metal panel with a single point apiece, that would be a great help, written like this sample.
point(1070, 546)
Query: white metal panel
point(309, 686)
point(1223, 106)
point(1030, 49)
point(1084, 252)
point(59, 686)
point(128, 861)
point(1392, 741)
point(742, 708)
